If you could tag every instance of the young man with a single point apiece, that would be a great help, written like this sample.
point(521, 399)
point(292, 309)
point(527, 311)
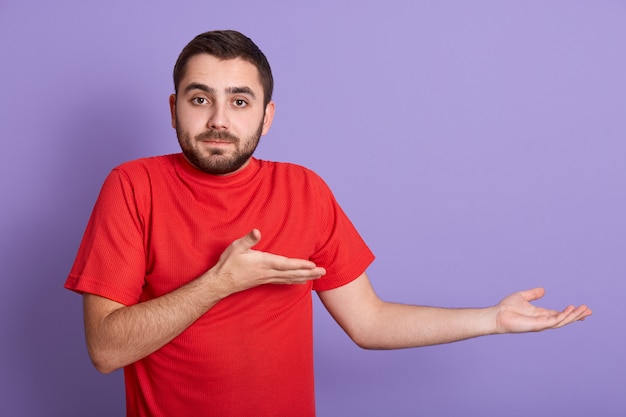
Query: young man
point(200, 317)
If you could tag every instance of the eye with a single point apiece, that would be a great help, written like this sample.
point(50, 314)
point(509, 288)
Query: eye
point(240, 102)
point(199, 100)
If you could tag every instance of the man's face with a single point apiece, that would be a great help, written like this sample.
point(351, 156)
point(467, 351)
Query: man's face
point(218, 113)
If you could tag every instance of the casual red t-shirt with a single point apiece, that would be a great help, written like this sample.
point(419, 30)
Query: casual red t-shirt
point(160, 223)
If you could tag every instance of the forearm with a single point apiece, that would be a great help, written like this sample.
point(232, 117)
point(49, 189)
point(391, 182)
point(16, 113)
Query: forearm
point(395, 326)
point(124, 335)
point(376, 324)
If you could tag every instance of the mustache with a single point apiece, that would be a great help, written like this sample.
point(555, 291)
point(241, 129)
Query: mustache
point(214, 134)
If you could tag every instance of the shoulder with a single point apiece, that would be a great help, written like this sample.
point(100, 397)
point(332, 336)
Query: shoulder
point(151, 164)
point(144, 169)
point(136, 175)
point(291, 172)
point(135, 182)
point(298, 183)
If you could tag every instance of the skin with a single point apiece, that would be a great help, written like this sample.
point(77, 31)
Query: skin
point(219, 116)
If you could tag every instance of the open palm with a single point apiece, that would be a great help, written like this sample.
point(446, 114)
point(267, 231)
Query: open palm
point(516, 313)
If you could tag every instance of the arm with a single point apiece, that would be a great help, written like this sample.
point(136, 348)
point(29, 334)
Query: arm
point(118, 335)
point(376, 324)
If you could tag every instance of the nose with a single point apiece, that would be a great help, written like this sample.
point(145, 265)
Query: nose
point(218, 119)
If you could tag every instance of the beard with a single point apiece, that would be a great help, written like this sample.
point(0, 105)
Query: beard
point(216, 161)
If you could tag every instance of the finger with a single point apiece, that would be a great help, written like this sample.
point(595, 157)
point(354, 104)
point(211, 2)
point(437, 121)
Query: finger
point(533, 294)
point(580, 313)
point(588, 312)
point(249, 240)
point(291, 279)
point(298, 280)
point(293, 264)
point(570, 315)
point(275, 262)
point(297, 273)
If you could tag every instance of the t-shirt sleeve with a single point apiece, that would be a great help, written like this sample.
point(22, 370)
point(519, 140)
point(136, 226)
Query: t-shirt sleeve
point(111, 259)
point(342, 251)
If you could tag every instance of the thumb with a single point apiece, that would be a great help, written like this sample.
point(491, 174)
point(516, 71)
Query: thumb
point(249, 240)
point(533, 294)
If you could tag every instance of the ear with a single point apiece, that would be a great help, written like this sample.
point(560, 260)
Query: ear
point(173, 109)
point(268, 117)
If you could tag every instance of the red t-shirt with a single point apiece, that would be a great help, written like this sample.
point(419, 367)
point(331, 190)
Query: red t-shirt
point(160, 223)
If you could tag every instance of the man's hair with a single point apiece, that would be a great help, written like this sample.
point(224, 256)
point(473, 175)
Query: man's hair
point(227, 44)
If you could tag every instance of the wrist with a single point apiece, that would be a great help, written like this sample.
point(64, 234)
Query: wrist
point(209, 289)
point(490, 321)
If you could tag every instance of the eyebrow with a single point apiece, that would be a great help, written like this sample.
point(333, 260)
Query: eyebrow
point(211, 90)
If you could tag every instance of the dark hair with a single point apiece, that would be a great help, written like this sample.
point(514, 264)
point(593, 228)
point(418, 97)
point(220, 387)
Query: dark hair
point(227, 44)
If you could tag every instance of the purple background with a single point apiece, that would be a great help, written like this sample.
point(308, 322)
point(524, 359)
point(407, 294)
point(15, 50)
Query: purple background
point(478, 146)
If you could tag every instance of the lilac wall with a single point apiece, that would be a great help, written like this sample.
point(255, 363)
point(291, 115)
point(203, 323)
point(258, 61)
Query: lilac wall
point(479, 147)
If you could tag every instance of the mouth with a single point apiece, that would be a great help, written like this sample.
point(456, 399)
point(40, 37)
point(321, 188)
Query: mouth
point(216, 139)
point(217, 142)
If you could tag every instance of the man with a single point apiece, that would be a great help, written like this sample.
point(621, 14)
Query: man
point(185, 259)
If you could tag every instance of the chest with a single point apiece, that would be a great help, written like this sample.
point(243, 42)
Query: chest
point(186, 231)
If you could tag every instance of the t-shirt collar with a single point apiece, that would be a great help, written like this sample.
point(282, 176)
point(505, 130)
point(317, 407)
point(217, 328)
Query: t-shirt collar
point(192, 173)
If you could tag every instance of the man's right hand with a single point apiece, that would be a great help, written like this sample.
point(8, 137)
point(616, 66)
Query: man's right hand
point(240, 267)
